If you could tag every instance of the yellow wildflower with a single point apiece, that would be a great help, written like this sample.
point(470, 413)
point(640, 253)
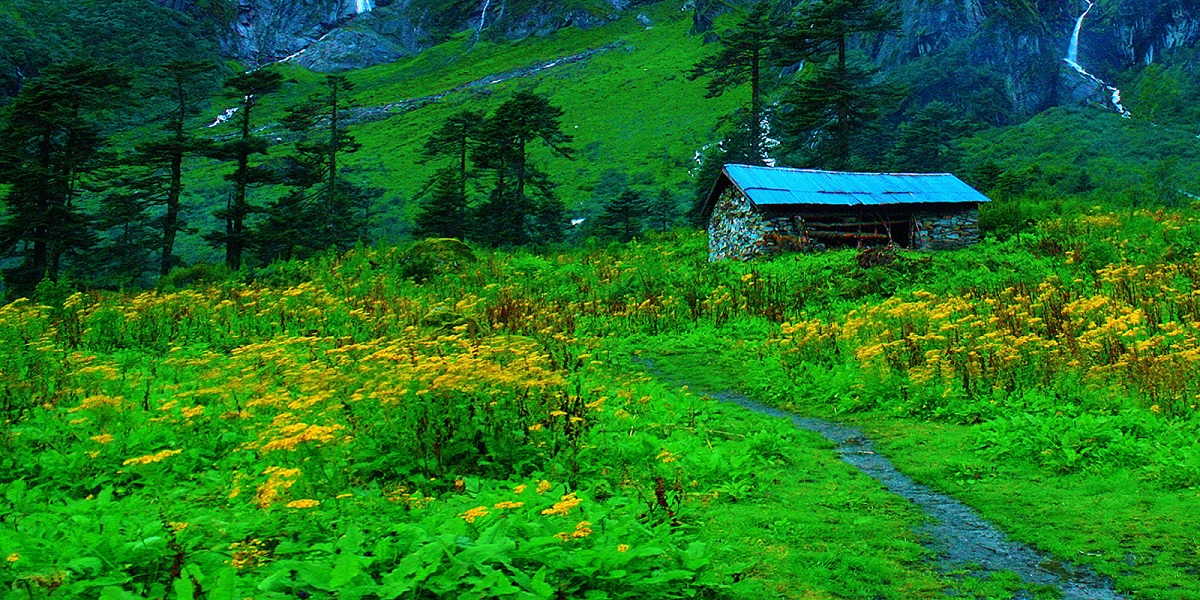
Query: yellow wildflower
point(506, 504)
point(177, 526)
point(14, 557)
point(557, 413)
point(543, 486)
point(582, 530)
point(563, 506)
point(102, 438)
point(623, 548)
point(1156, 409)
point(304, 503)
point(279, 480)
point(150, 458)
point(474, 513)
point(519, 488)
point(248, 554)
point(98, 401)
point(536, 427)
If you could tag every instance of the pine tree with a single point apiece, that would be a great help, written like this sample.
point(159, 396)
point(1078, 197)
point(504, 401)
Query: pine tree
point(249, 88)
point(833, 104)
point(622, 216)
point(323, 209)
point(744, 56)
point(127, 230)
point(663, 212)
point(160, 161)
point(511, 215)
point(51, 138)
point(445, 213)
point(924, 142)
point(731, 149)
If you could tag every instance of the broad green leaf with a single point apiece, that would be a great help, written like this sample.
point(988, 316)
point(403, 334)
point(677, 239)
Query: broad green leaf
point(184, 588)
point(345, 569)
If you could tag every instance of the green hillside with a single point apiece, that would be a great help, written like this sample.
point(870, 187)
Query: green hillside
point(629, 107)
point(632, 110)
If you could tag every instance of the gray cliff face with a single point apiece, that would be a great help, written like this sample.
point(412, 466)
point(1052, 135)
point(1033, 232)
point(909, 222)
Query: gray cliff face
point(268, 30)
point(1025, 49)
point(1138, 32)
point(331, 35)
point(1012, 50)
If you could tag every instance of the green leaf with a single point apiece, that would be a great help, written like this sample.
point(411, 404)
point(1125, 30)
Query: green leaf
point(539, 586)
point(184, 589)
point(86, 565)
point(277, 581)
point(225, 587)
point(15, 491)
point(116, 593)
point(345, 569)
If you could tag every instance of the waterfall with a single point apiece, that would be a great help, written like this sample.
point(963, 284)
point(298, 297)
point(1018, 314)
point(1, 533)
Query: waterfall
point(1072, 59)
point(225, 116)
point(362, 6)
point(1073, 49)
point(482, 17)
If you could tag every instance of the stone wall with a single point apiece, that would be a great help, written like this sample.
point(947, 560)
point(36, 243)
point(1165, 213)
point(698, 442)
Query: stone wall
point(946, 230)
point(737, 230)
point(734, 228)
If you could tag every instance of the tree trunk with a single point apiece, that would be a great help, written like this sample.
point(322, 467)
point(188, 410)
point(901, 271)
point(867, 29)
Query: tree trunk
point(235, 219)
point(756, 108)
point(843, 110)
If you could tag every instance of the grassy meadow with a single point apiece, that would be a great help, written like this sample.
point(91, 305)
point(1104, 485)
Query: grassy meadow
point(386, 424)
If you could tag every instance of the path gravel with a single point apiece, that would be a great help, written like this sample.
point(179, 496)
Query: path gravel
point(957, 536)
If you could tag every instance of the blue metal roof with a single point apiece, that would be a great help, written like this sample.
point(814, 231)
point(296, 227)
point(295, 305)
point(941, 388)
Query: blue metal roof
point(774, 186)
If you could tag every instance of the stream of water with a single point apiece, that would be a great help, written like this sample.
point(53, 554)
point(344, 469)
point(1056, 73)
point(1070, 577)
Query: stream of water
point(1072, 59)
point(482, 17)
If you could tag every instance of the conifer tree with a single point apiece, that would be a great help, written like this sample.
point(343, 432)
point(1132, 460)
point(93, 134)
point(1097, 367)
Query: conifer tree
point(161, 160)
point(924, 142)
point(455, 139)
point(662, 211)
point(51, 138)
point(511, 215)
point(834, 103)
point(322, 209)
point(445, 213)
point(744, 56)
point(622, 216)
point(249, 89)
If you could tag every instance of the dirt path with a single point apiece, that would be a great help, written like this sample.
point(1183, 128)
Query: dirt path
point(956, 535)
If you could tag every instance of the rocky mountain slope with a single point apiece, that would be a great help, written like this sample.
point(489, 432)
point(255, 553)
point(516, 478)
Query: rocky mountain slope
point(336, 35)
point(1008, 54)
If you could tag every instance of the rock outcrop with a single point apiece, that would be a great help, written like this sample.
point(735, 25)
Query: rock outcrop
point(337, 35)
point(1004, 53)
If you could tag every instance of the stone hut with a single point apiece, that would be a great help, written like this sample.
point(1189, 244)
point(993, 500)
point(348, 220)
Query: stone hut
point(754, 211)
